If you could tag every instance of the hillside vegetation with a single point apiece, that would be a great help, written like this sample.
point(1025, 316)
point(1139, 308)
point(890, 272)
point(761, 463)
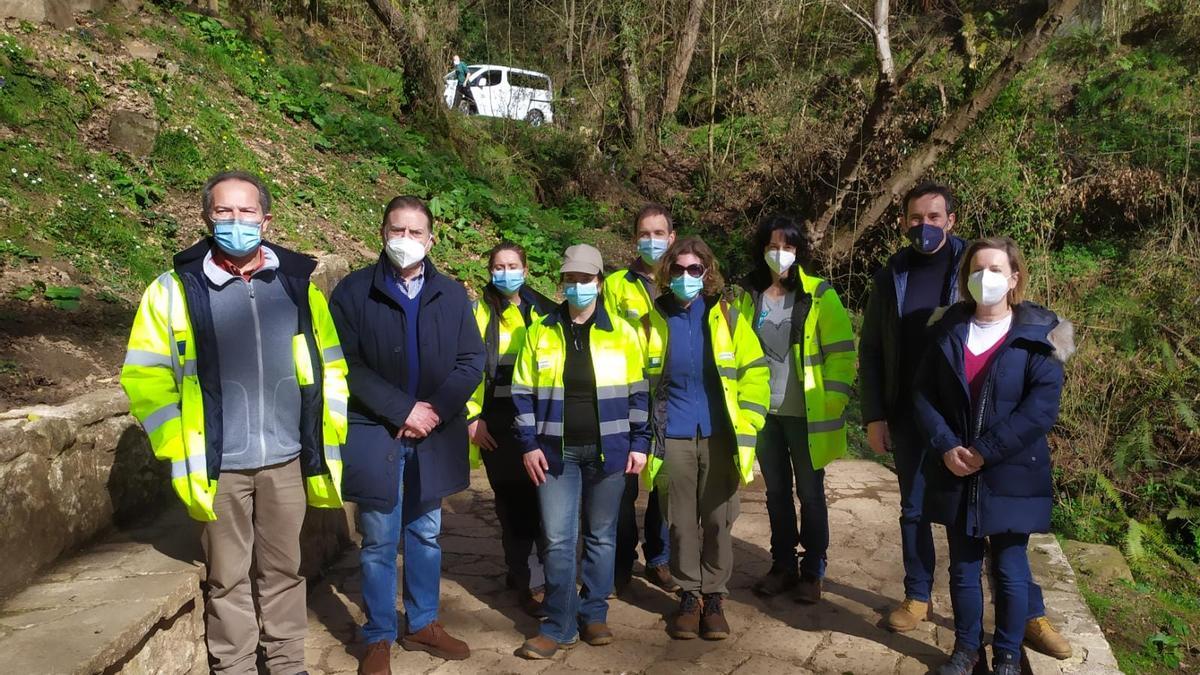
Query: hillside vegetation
point(1086, 157)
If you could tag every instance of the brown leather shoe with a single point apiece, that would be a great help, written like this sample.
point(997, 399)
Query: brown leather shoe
point(377, 660)
point(808, 591)
point(713, 625)
point(1041, 635)
point(596, 634)
point(908, 615)
point(542, 647)
point(531, 602)
point(660, 575)
point(435, 640)
point(685, 623)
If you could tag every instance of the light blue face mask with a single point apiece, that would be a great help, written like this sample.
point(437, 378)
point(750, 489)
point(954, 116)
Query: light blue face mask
point(581, 295)
point(651, 249)
point(236, 237)
point(508, 281)
point(686, 287)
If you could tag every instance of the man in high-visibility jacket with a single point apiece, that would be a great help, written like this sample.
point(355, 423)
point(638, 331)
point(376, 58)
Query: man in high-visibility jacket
point(630, 293)
point(235, 371)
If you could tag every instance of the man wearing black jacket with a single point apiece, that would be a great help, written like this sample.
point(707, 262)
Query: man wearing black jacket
point(415, 357)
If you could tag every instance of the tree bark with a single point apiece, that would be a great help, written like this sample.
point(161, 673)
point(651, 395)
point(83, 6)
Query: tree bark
point(634, 101)
point(685, 48)
point(422, 74)
point(946, 135)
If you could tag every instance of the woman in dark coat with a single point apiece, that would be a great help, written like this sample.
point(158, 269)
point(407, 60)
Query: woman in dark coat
point(987, 394)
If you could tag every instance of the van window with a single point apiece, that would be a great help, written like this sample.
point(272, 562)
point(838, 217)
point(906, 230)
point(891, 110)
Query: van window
point(528, 81)
point(489, 78)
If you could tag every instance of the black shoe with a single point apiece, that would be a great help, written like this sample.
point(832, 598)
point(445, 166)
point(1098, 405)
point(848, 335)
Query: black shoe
point(620, 583)
point(960, 663)
point(660, 575)
point(780, 579)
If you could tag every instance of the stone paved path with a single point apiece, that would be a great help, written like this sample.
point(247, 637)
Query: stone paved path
point(842, 634)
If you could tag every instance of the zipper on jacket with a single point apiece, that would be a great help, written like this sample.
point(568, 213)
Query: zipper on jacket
point(973, 483)
point(262, 439)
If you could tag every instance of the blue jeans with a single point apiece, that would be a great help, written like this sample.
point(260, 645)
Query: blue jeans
point(782, 453)
point(916, 535)
point(657, 547)
point(1013, 591)
point(582, 485)
point(421, 522)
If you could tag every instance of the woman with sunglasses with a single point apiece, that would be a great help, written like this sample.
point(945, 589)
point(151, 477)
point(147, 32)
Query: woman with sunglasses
point(505, 309)
point(710, 397)
point(582, 405)
point(809, 344)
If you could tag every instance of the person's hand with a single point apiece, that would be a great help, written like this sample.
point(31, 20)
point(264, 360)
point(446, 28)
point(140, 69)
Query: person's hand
point(421, 421)
point(536, 466)
point(877, 437)
point(955, 460)
point(974, 459)
point(478, 432)
point(635, 463)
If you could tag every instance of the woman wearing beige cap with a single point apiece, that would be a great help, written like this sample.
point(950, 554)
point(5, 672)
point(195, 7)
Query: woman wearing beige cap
point(582, 404)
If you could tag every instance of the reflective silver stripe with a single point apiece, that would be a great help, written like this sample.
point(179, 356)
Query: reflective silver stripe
point(166, 281)
point(753, 407)
point(760, 362)
point(333, 353)
point(337, 405)
point(827, 425)
point(614, 427)
point(727, 373)
point(612, 391)
point(141, 357)
point(813, 359)
point(189, 368)
point(333, 453)
point(502, 391)
point(160, 417)
point(839, 387)
point(525, 420)
point(639, 387)
point(189, 464)
point(551, 429)
point(822, 288)
point(521, 390)
point(746, 441)
point(835, 347)
point(549, 393)
point(508, 359)
point(638, 416)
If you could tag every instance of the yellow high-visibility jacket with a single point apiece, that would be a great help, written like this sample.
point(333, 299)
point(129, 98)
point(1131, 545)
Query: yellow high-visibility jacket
point(745, 380)
point(169, 368)
point(825, 361)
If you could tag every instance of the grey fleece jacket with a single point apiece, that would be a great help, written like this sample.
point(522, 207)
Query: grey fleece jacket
point(260, 396)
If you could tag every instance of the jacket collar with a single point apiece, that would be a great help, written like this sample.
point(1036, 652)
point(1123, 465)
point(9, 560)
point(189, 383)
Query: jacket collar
point(291, 264)
point(560, 314)
point(1031, 322)
point(433, 279)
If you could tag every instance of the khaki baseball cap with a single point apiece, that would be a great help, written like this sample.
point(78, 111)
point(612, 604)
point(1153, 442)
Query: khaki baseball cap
point(582, 258)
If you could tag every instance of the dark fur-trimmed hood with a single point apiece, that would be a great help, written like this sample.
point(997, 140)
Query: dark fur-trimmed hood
point(1030, 320)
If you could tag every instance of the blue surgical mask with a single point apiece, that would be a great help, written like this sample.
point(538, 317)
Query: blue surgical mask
point(651, 249)
point(581, 295)
point(686, 287)
point(508, 281)
point(926, 238)
point(236, 237)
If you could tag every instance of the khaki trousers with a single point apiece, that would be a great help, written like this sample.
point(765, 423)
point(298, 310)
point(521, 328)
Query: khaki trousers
point(259, 515)
point(702, 503)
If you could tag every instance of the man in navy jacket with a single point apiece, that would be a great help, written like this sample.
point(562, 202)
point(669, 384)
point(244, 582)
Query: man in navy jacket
point(415, 357)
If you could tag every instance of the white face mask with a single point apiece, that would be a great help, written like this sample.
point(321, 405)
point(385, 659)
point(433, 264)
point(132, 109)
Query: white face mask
point(780, 261)
point(404, 252)
point(987, 287)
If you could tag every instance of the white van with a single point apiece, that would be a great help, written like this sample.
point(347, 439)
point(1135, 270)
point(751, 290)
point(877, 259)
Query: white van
point(501, 91)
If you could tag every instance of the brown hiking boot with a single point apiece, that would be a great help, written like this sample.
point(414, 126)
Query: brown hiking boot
point(778, 580)
point(808, 591)
point(660, 575)
point(713, 625)
point(908, 615)
point(685, 623)
point(531, 602)
point(1041, 636)
point(541, 647)
point(596, 634)
point(377, 660)
point(435, 640)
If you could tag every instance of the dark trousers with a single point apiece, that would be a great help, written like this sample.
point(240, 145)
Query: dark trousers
point(461, 92)
point(782, 453)
point(517, 508)
point(916, 535)
point(656, 550)
point(1013, 591)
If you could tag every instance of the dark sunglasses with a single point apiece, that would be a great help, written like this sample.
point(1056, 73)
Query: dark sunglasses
point(695, 270)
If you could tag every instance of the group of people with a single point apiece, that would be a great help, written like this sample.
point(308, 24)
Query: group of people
point(264, 397)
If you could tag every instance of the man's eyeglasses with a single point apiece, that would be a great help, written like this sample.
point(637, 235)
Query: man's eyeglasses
point(694, 270)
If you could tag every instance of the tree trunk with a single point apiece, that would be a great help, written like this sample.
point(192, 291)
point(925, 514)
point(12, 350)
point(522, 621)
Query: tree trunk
point(422, 74)
point(952, 128)
point(685, 48)
point(631, 86)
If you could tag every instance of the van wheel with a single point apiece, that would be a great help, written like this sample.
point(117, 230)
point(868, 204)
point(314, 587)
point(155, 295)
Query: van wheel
point(535, 118)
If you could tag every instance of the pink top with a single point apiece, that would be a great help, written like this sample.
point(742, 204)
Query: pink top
point(977, 366)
